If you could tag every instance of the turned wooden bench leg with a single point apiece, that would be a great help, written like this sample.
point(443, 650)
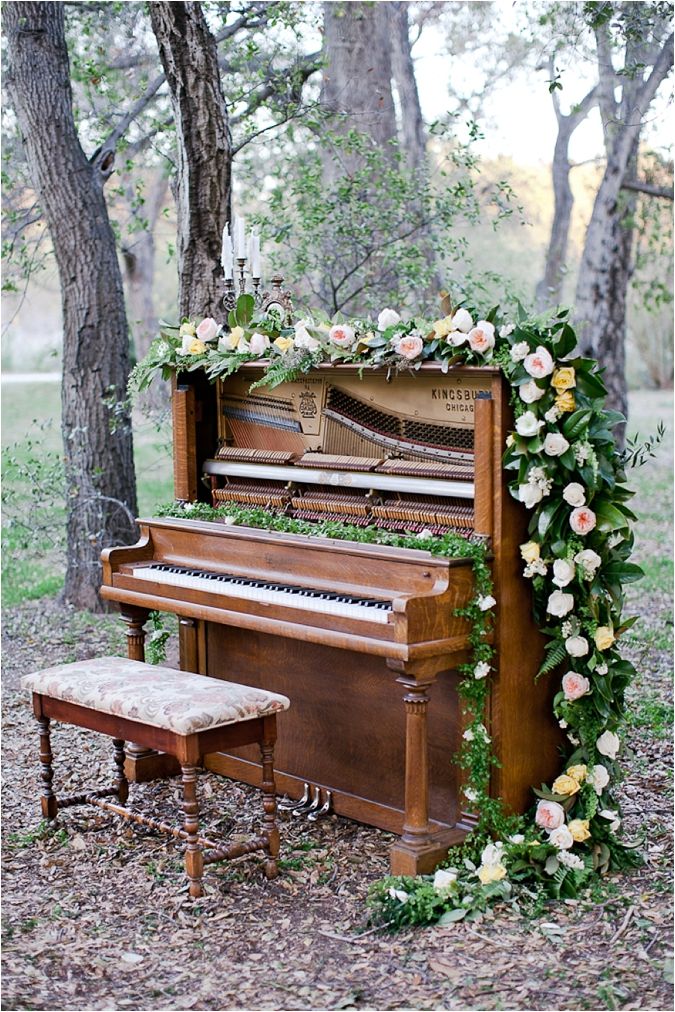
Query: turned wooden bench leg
point(48, 799)
point(194, 863)
point(121, 782)
point(270, 830)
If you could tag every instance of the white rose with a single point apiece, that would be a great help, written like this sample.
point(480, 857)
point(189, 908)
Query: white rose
point(530, 495)
point(598, 777)
point(559, 604)
point(561, 838)
point(444, 880)
point(576, 646)
point(492, 854)
point(519, 351)
point(481, 670)
point(303, 338)
point(555, 444)
point(487, 602)
point(207, 329)
point(574, 494)
point(539, 363)
point(517, 838)
point(563, 572)
point(507, 329)
point(387, 318)
point(528, 424)
point(530, 392)
point(608, 744)
point(398, 894)
point(456, 338)
point(462, 321)
point(259, 343)
point(588, 560)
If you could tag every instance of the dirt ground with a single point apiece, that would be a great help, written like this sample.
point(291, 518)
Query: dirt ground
point(96, 915)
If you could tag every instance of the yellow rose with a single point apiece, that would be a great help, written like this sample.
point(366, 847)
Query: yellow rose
point(579, 830)
point(491, 873)
point(604, 637)
point(195, 347)
point(443, 327)
point(187, 330)
point(565, 401)
point(565, 785)
point(530, 551)
point(563, 379)
point(577, 772)
point(283, 344)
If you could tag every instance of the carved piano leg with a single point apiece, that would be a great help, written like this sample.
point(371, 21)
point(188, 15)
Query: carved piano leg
point(141, 763)
point(420, 848)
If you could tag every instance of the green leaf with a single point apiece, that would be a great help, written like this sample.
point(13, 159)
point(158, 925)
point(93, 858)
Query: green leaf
point(452, 916)
point(626, 572)
point(576, 423)
point(245, 309)
point(545, 518)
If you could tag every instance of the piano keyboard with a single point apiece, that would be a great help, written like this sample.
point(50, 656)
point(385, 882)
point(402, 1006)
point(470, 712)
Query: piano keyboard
point(302, 598)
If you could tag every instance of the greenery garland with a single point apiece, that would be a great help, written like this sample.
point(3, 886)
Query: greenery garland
point(565, 469)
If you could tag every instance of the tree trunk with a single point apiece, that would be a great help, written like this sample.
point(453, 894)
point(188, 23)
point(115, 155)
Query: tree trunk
point(99, 466)
point(189, 57)
point(412, 129)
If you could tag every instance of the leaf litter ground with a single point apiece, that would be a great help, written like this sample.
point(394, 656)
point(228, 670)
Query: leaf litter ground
point(96, 914)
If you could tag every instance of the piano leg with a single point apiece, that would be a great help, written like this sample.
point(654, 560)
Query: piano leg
point(141, 763)
point(420, 848)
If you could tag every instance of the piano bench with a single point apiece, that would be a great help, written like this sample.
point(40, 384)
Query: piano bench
point(184, 714)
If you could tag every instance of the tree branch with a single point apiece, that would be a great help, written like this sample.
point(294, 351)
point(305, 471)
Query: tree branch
point(653, 191)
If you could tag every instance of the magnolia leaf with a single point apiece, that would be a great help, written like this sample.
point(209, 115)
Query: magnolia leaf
point(452, 916)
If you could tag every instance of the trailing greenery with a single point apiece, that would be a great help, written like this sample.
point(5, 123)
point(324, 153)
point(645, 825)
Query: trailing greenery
point(564, 468)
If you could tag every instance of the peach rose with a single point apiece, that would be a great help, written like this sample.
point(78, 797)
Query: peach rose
point(342, 335)
point(575, 685)
point(410, 347)
point(482, 337)
point(539, 363)
point(207, 329)
point(582, 520)
point(549, 815)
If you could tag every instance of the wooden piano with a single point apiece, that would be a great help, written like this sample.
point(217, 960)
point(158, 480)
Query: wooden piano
point(363, 638)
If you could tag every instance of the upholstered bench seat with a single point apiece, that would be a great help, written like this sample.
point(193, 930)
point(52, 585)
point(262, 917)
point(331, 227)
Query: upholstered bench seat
point(184, 714)
point(161, 697)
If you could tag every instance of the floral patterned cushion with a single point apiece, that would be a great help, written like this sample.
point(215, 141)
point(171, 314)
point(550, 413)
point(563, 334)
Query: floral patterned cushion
point(162, 697)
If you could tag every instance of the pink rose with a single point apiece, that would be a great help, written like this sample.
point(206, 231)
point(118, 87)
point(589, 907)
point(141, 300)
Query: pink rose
point(482, 337)
point(207, 329)
point(342, 335)
point(582, 520)
point(550, 815)
point(410, 347)
point(539, 363)
point(575, 685)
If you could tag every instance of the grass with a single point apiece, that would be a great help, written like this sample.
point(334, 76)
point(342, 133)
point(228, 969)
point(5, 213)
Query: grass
point(33, 515)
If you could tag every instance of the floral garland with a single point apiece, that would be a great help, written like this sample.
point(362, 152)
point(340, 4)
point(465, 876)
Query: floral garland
point(565, 470)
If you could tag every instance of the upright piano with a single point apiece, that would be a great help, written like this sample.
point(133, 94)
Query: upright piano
point(363, 638)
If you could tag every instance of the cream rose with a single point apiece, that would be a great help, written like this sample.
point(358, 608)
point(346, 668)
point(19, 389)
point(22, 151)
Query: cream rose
point(482, 337)
point(604, 637)
point(589, 561)
point(442, 327)
point(579, 828)
point(259, 344)
point(574, 494)
point(559, 604)
point(530, 495)
point(608, 744)
point(575, 685)
point(598, 778)
point(565, 785)
point(565, 402)
point(342, 335)
point(561, 838)
point(410, 347)
point(444, 880)
point(549, 815)
point(530, 551)
point(539, 363)
point(462, 321)
point(555, 444)
point(582, 520)
point(576, 646)
point(207, 329)
point(387, 318)
point(230, 342)
point(398, 894)
point(528, 424)
point(563, 572)
point(529, 392)
point(283, 344)
point(564, 378)
point(579, 772)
